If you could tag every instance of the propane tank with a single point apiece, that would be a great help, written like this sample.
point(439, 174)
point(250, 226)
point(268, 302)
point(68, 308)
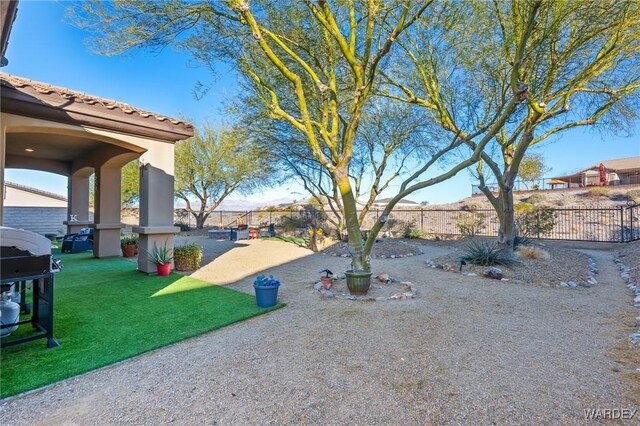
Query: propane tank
point(9, 314)
point(15, 293)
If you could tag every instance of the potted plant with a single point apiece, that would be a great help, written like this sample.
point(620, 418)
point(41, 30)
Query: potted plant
point(187, 257)
point(266, 290)
point(129, 245)
point(327, 279)
point(162, 257)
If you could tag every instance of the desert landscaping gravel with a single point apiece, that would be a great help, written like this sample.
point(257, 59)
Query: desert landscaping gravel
point(467, 350)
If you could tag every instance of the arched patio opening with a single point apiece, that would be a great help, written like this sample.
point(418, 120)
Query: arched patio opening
point(54, 129)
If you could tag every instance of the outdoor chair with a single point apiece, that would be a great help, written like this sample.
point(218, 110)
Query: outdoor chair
point(81, 241)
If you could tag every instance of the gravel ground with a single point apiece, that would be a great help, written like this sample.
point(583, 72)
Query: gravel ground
point(466, 351)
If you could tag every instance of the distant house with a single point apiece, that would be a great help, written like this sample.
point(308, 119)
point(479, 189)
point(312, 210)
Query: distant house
point(403, 203)
point(33, 209)
point(622, 171)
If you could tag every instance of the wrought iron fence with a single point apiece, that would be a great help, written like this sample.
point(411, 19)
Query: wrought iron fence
point(606, 224)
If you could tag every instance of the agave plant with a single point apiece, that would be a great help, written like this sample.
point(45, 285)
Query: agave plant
point(483, 253)
point(161, 255)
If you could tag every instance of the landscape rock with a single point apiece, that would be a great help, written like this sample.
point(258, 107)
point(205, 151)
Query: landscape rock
point(494, 273)
point(328, 294)
point(318, 286)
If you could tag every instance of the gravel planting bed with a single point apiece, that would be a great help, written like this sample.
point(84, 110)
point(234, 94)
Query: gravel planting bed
point(385, 248)
point(562, 266)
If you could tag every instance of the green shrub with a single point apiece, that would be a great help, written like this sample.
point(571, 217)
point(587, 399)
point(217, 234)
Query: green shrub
point(187, 257)
point(486, 254)
point(131, 239)
point(536, 199)
point(521, 240)
point(598, 191)
point(183, 226)
point(470, 224)
point(534, 221)
point(633, 195)
point(412, 232)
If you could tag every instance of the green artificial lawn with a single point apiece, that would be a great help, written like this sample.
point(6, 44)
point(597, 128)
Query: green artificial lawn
point(106, 311)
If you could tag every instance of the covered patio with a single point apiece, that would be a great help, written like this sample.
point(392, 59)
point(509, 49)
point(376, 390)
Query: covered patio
point(62, 131)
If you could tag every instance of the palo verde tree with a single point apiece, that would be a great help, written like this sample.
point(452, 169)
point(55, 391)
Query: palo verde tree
point(214, 163)
point(549, 65)
point(391, 135)
point(532, 169)
point(312, 65)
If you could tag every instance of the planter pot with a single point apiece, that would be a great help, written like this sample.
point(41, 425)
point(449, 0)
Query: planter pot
point(181, 264)
point(130, 250)
point(358, 282)
point(266, 297)
point(327, 282)
point(163, 269)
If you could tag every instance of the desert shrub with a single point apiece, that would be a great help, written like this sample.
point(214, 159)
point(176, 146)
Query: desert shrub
point(563, 202)
point(534, 221)
point(598, 191)
point(633, 195)
point(183, 226)
point(412, 231)
point(521, 240)
point(536, 199)
point(529, 252)
point(187, 256)
point(485, 254)
point(470, 224)
point(472, 205)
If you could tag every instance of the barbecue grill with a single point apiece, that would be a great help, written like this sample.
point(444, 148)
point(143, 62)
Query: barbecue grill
point(25, 260)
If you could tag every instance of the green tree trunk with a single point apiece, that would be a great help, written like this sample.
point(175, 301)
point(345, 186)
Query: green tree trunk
point(360, 261)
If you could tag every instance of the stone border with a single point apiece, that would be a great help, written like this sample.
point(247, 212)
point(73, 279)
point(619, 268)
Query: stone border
point(635, 288)
point(400, 295)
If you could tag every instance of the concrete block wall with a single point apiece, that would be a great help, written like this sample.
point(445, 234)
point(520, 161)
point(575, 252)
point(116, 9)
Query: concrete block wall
point(41, 220)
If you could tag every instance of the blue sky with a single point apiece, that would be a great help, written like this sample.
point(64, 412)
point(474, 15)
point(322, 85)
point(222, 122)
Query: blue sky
point(45, 47)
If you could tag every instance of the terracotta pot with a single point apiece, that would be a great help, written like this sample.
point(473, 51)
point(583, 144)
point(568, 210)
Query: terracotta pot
point(130, 250)
point(327, 282)
point(163, 269)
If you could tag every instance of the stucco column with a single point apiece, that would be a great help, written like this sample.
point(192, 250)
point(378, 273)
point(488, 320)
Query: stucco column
point(3, 131)
point(78, 203)
point(156, 203)
point(107, 212)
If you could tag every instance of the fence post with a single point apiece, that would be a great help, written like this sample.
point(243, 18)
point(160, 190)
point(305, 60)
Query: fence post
point(622, 224)
point(421, 220)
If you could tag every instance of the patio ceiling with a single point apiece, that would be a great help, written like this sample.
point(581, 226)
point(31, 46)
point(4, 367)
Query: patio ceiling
point(50, 146)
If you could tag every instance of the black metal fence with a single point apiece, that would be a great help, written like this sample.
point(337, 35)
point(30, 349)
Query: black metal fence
point(600, 224)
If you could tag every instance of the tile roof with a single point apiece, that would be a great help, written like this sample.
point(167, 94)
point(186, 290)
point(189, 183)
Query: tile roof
point(35, 190)
point(619, 164)
point(8, 80)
